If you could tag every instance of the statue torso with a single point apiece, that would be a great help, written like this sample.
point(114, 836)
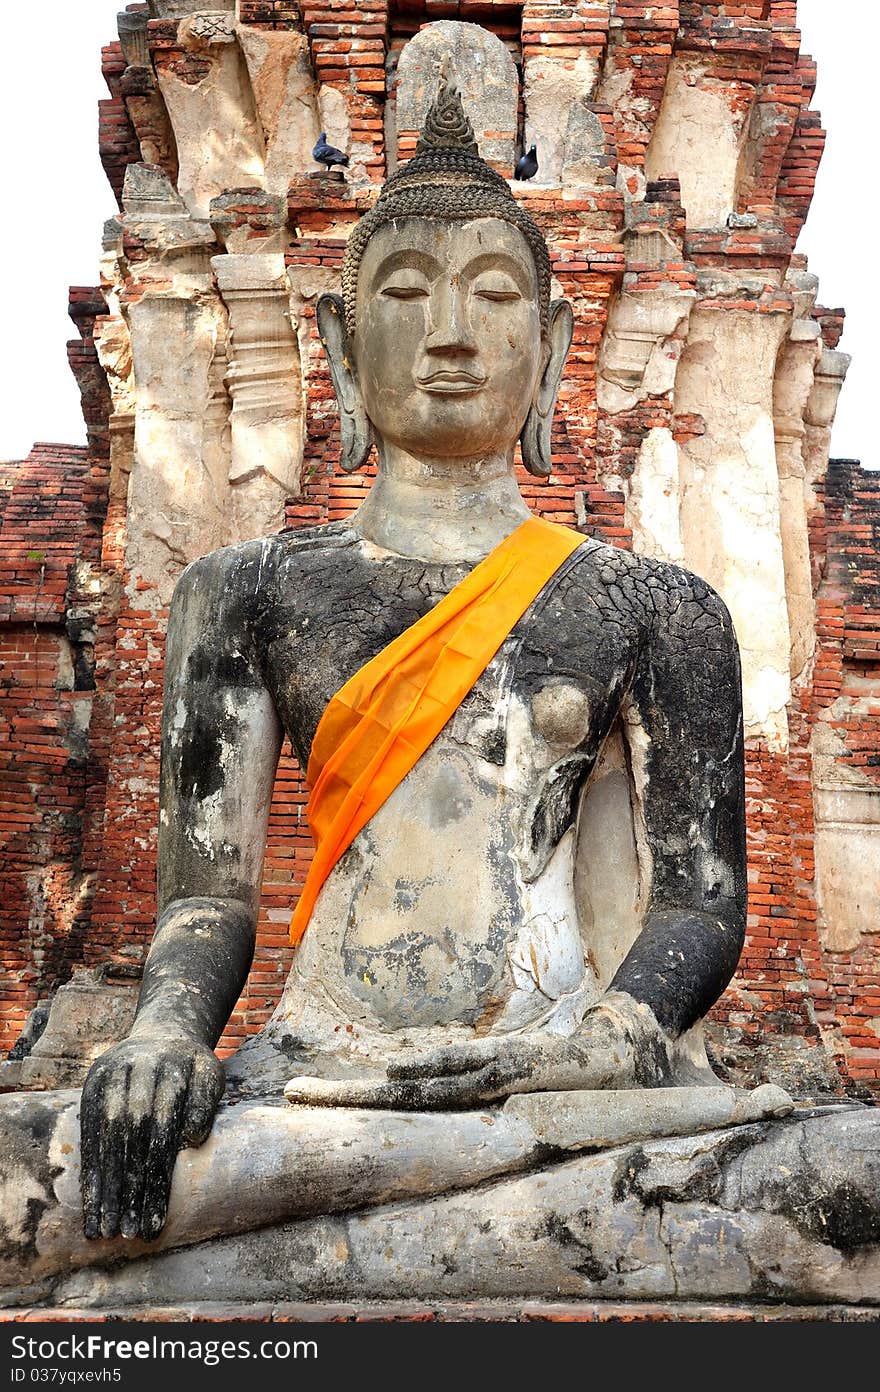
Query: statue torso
point(454, 908)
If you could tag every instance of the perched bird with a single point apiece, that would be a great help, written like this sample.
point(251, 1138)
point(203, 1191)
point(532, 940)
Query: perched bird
point(527, 165)
point(327, 154)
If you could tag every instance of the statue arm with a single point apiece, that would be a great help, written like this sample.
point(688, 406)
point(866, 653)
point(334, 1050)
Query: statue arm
point(685, 733)
point(221, 738)
point(158, 1090)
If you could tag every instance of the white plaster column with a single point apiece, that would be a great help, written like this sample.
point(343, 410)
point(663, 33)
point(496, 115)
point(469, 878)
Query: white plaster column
point(829, 376)
point(791, 391)
point(730, 496)
point(653, 499)
point(847, 848)
point(219, 142)
point(176, 509)
point(178, 500)
point(286, 98)
point(265, 384)
point(699, 136)
point(638, 357)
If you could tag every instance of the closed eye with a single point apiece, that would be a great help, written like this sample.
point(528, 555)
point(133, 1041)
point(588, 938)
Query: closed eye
point(498, 295)
point(496, 286)
point(404, 292)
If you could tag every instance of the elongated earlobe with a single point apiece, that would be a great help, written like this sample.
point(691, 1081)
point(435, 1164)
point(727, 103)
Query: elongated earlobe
point(354, 428)
point(535, 437)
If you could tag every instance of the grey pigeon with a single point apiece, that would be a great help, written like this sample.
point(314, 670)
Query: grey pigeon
point(327, 154)
point(527, 165)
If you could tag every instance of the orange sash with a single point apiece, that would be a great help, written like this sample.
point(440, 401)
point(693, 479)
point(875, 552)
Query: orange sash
point(379, 724)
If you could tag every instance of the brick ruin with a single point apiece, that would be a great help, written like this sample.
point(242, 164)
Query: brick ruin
point(678, 157)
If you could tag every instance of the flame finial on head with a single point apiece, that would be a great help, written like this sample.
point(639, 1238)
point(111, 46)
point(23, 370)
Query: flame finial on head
point(446, 125)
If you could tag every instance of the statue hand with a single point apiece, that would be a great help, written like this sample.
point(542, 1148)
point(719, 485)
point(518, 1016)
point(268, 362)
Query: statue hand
point(622, 1045)
point(143, 1101)
point(455, 1076)
point(619, 1044)
point(482, 1070)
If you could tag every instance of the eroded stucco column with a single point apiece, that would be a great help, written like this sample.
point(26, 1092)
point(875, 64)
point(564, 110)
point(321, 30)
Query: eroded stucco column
point(730, 495)
point(847, 844)
point(176, 505)
point(829, 375)
point(178, 492)
point(113, 346)
point(286, 98)
point(637, 364)
point(140, 91)
point(791, 391)
point(211, 105)
point(699, 136)
point(264, 382)
point(559, 83)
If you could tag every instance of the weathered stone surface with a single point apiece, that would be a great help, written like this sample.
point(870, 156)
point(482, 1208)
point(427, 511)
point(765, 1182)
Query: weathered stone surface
point(653, 504)
point(263, 379)
point(286, 98)
point(642, 1221)
point(222, 102)
point(641, 347)
point(250, 221)
point(155, 213)
point(847, 863)
point(87, 1015)
point(263, 1165)
point(699, 137)
point(132, 30)
point(793, 387)
point(569, 137)
point(485, 75)
point(830, 374)
point(178, 9)
point(177, 493)
point(730, 489)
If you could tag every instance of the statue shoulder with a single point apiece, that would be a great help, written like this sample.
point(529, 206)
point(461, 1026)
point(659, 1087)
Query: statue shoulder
point(240, 576)
point(663, 598)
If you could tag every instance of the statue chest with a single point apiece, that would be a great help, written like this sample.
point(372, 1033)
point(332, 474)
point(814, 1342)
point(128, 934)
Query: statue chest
point(456, 902)
point(563, 661)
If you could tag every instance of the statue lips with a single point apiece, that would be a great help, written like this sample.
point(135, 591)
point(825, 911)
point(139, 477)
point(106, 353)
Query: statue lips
point(451, 381)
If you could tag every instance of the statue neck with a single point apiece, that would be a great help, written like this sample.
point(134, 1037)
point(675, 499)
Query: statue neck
point(441, 510)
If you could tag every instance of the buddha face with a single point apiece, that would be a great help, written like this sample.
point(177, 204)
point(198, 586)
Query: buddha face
point(447, 346)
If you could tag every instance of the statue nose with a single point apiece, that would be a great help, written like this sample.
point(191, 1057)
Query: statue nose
point(450, 330)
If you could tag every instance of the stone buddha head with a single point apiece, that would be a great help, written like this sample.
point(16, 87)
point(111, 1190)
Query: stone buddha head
point(445, 342)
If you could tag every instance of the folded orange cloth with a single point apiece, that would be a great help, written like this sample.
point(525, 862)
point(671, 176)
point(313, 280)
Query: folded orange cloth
point(379, 724)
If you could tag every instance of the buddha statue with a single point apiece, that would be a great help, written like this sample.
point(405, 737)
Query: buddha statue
point(452, 671)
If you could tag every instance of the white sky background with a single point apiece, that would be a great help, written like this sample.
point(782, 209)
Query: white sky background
point(58, 199)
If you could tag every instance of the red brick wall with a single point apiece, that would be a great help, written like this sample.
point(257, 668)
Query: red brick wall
point(847, 678)
point(45, 699)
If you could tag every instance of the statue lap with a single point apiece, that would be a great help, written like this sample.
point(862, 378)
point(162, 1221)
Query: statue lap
point(346, 1205)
